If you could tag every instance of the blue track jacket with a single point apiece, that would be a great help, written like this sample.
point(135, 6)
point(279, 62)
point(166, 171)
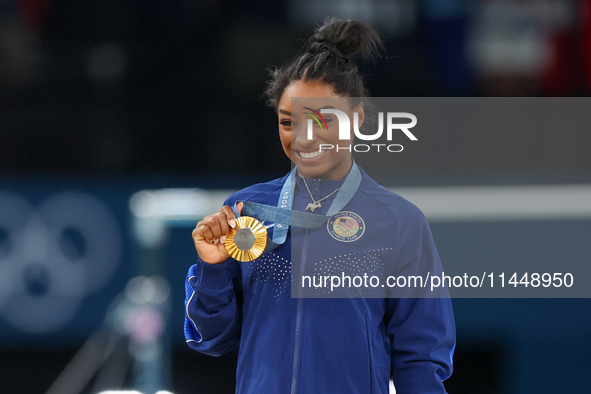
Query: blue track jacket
point(326, 345)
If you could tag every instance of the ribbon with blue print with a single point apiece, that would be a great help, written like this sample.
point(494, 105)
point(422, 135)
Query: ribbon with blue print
point(283, 216)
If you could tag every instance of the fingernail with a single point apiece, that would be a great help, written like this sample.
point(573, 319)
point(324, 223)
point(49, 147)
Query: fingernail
point(223, 239)
point(216, 241)
point(232, 223)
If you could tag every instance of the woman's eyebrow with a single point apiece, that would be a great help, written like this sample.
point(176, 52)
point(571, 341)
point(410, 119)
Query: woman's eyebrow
point(282, 111)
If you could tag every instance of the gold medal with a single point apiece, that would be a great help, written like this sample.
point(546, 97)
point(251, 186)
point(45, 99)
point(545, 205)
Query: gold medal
point(248, 240)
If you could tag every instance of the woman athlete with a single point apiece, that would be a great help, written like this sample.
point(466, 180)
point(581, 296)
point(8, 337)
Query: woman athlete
point(321, 345)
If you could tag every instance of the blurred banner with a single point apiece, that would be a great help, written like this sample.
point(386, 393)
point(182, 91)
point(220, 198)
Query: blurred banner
point(64, 255)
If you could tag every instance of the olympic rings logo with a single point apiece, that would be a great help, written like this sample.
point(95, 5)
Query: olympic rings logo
point(53, 256)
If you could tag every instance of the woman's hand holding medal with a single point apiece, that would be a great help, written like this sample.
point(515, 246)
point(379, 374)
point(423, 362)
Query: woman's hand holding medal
point(210, 235)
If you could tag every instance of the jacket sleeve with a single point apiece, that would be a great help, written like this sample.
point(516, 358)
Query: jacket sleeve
point(422, 338)
point(212, 307)
point(421, 330)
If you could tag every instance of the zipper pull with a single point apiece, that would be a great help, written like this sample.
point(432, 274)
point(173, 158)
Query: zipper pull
point(317, 185)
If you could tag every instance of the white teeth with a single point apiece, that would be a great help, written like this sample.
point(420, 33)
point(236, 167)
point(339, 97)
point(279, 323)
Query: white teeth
point(311, 155)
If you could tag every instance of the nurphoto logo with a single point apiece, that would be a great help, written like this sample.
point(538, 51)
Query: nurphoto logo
point(345, 129)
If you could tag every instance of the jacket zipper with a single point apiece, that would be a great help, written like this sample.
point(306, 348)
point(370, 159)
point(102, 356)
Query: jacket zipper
point(298, 325)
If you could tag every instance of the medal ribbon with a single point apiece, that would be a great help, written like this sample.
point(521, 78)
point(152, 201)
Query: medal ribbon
point(283, 216)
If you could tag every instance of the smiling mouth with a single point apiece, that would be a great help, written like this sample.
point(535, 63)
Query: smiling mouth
point(311, 155)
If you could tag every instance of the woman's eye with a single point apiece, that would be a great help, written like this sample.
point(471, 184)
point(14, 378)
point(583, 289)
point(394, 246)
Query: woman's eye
point(286, 123)
point(328, 120)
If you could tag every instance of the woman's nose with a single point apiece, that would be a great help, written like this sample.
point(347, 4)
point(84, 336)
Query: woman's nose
point(303, 134)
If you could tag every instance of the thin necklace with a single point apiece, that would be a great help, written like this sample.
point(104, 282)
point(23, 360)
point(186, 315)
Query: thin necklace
point(315, 204)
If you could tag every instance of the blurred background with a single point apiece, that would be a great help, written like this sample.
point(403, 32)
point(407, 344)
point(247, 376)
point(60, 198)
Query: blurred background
point(102, 99)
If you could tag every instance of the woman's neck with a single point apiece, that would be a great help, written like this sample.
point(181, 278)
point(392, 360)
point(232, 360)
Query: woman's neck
point(335, 174)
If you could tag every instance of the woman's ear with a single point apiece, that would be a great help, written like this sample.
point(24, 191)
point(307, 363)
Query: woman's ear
point(360, 109)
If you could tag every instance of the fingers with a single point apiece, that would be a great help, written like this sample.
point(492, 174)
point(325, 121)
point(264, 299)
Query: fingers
point(214, 228)
point(230, 219)
point(209, 229)
point(202, 232)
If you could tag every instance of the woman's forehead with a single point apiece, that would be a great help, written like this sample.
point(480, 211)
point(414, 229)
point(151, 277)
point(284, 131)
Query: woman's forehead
point(311, 94)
